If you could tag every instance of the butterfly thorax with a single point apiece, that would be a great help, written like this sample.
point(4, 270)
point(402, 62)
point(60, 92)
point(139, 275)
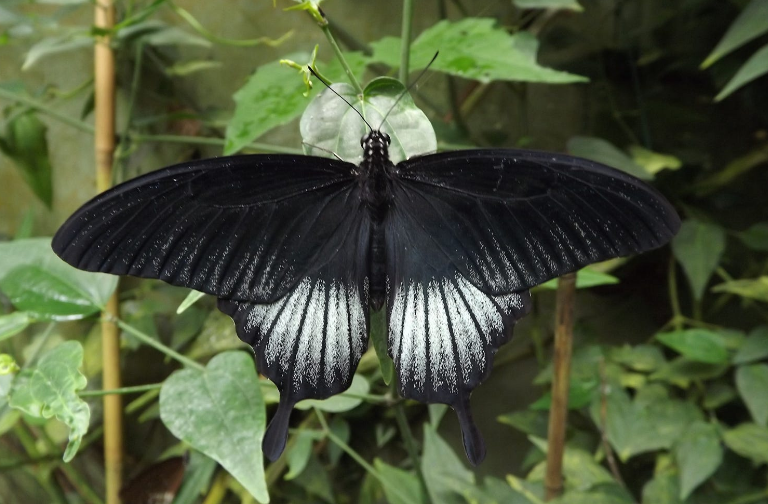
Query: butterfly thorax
point(374, 174)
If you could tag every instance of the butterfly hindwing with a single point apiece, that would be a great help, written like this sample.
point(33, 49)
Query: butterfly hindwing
point(309, 341)
point(442, 330)
point(512, 219)
point(242, 227)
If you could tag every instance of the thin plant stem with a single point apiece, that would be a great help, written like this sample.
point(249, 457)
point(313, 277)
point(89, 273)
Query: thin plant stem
point(218, 489)
point(356, 456)
point(677, 315)
point(123, 390)
point(45, 109)
point(188, 139)
point(149, 340)
point(604, 426)
point(104, 151)
point(405, 41)
point(410, 445)
point(325, 27)
point(558, 413)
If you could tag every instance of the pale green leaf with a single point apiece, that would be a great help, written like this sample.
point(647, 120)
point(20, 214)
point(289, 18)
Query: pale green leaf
point(754, 288)
point(191, 67)
point(298, 454)
point(333, 126)
point(220, 412)
point(644, 358)
point(192, 298)
point(25, 143)
point(49, 389)
point(756, 237)
point(530, 422)
point(752, 383)
point(749, 440)
point(580, 469)
point(585, 278)
point(698, 247)
point(446, 476)
point(56, 45)
point(756, 66)
point(609, 493)
point(602, 151)
point(697, 344)
point(13, 323)
point(549, 4)
point(698, 454)
point(653, 162)
point(400, 487)
point(662, 489)
point(474, 48)
point(751, 23)
point(347, 400)
point(754, 348)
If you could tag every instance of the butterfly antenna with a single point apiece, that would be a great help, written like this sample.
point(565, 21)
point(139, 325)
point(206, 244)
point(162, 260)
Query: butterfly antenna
point(410, 86)
point(337, 94)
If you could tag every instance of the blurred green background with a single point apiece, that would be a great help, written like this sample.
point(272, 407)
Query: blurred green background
point(670, 382)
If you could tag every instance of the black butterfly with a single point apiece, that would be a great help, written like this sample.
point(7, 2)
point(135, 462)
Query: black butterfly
point(299, 248)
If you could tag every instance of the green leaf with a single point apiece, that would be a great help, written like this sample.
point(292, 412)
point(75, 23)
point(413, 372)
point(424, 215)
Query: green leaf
point(585, 278)
point(698, 455)
point(755, 288)
point(154, 32)
point(756, 237)
point(718, 394)
point(330, 124)
point(530, 422)
point(190, 67)
point(580, 470)
point(749, 440)
point(751, 23)
point(474, 48)
point(409, 489)
point(698, 247)
point(645, 358)
point(273, 96)
point(13, 323)
point(379, 338)
point(56, 45)
point(220, 412)
point(49, 389)
point(217, 335)
point(341, 402)
point(26, 145)
point(682, 371)
point(192, 298)
point(88, 291)
point(697, 344)
point(653, 162)
point(606, 153)
point(755, 66)
point(446, 476)
point(315, 480)
point(662, 489)
point(298, 454)
point(549, 4)
point(580, 394)
point(752, 383)
point(601, 494)
point(754, 348)
point(197, 478)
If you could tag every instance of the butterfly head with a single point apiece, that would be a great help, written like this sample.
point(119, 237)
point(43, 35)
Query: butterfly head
point(375, 144)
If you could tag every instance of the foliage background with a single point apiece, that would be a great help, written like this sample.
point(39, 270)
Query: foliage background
point(674, 354)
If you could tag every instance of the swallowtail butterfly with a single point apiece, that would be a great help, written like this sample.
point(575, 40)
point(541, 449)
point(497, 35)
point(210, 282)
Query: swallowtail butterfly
point(298, 250)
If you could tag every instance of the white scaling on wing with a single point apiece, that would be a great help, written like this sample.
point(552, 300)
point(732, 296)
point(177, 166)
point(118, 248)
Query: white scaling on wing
point(336, 335)
point(430, 324)
point(310, 345)
point(282, 333)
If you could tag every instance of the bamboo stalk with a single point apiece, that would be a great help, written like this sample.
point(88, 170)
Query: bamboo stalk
point(558, 413)
point(104, 111)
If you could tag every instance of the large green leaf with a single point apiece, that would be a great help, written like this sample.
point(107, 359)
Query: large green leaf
point(330, 124)
point(752, 383)
point(220, 412)
point(754, 348)
point(549, 4)
point(754, 67)
point(664, 488)
point(274, 95)
point(26, 145)
point(408, 488)
point(606, 153)
point(49, 389)
point(751, 23)
point(56, 290)
point(527, 421)
point(698, 454)
point(697, 344)
point(749, 440)
point(474, 48)
point(753, 288)
point(698, 247)
point(13, 323)
point(446, 476)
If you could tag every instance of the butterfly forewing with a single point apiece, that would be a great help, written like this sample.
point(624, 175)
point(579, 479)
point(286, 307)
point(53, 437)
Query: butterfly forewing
point(310, 341)
point(243, 227)
point(442, 330)
point(509, 220)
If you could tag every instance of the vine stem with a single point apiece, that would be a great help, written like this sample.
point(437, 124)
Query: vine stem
point(45, 109)
point(123, 390)
point(356, 456)
point(677, 315)
point(104, 150)
point(325, 26)
point(405, 41)
point(410, 442)
point(558, 413)
point(149, 340)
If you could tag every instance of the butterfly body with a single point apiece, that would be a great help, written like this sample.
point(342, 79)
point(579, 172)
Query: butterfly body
point(298, 249)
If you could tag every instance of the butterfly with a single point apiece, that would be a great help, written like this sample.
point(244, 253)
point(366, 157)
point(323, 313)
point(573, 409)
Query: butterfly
point(299, 249)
